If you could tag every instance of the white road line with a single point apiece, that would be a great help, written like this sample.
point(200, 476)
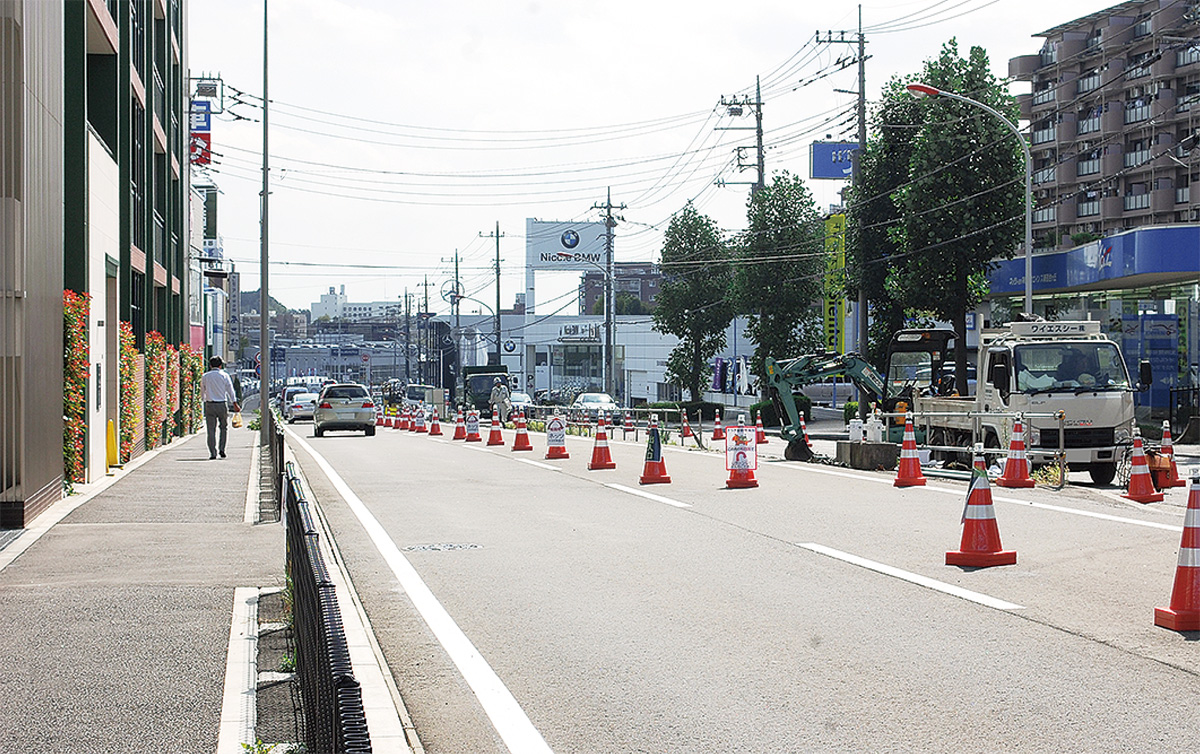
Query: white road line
point(997, 499)
point(510, 721)
point(647, 495)
point(238, 700)
point(913, 578)
point(539, 464)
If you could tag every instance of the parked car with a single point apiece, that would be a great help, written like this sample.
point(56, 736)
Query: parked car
point(521, 402)
point(590, 404)
point(285, 398)
point(301, 406)
point(344, 406)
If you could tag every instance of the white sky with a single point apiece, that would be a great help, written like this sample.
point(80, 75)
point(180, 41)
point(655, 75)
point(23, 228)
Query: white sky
point(431, 121)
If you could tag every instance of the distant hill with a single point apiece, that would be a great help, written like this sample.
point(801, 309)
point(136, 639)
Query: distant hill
point(250, 302)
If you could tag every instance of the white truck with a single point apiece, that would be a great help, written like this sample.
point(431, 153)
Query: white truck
point(1037, 368)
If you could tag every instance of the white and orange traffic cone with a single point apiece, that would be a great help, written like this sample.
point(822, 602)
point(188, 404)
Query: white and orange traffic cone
point(1184, 611)
point(495, 437)
point(1168, 450)
point(980, 546)
point(686, 432)
point(522, 441)
point(804, 432)
point(387, 420)
point(435, 428)
point(908, 473)
point(760, 435)
point(628, 425)
point(742, 462)
point(1141, 484)
point(556, 437)
point(655, 469)
point(379, 417)
point(718, 431)
point(412, 419)
point(1016, 467)
point(601, 455)
point(473, 427)
point(403, 423)
point(460, 428)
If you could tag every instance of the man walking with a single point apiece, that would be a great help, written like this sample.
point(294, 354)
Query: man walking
point(217, 389)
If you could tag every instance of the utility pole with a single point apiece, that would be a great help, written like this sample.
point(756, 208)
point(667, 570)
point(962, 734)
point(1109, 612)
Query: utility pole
point(426, 378)
point(496, 235)
point(855, 171)
point(264, 321)
point(609, 302)
point(407, 339)
point(736, 106)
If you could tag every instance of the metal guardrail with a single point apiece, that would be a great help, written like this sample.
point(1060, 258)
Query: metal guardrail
point(334, 718)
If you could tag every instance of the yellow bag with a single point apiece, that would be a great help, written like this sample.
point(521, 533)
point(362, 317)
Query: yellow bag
point(236, 421)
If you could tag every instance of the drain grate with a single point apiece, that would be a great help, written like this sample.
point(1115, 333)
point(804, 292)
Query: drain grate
point(442, 547)
point(8, 536)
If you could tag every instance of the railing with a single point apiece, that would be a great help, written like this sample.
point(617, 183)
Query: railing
point(1045, 175)
point(1088, 84)
point(332, 699)
point(1141, 29)
point(1048, 57)
point(1183, 195)
point(1087, 167)
point(1187, 56)
point(1137, 201)
point(1133, 159)
point(1088, 208)
point(1045, 215)
point(1136, 114)
point(1042, 96)
point(1043, 135)
point(1088, 125)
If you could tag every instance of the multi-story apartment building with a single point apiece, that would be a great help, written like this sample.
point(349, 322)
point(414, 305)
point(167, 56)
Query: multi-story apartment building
point(1114, 117)
point(639, 280)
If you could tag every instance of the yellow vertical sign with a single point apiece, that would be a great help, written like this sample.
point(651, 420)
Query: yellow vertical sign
point(835, 266)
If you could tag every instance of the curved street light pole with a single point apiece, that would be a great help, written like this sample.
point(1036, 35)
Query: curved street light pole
point(924, 90)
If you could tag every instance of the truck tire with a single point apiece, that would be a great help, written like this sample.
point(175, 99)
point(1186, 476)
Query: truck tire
point(798, 450)
point(1103, 473)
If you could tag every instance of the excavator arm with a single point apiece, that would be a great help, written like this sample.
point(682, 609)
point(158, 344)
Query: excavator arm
point(790, 375)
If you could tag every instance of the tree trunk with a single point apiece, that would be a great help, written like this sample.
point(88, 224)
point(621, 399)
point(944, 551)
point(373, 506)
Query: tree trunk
point(696, 368)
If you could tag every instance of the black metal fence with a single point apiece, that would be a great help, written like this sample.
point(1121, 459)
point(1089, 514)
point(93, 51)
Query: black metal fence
point(335, 722)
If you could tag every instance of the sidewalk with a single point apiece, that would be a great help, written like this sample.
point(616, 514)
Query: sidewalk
point(117, 618)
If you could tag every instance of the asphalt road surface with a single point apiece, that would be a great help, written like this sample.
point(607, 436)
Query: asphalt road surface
point(528, 605)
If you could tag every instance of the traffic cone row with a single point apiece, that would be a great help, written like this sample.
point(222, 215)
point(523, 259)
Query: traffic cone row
point(1141, 484)
point(1016, 467)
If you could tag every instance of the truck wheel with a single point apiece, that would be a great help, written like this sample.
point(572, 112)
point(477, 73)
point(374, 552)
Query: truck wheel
point(798, 450)
point(1103, 473)
point(370, 430)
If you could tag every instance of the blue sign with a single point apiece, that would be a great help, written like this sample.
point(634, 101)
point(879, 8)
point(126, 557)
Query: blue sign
point(201, 116)
point(831, 159)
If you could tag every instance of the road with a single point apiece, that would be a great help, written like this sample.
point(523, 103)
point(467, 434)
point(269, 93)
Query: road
point(526, 605)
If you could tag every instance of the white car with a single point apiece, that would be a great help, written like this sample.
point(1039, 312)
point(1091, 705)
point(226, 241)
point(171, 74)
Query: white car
point(300, 406)
point(593, 403)
point(344, 406)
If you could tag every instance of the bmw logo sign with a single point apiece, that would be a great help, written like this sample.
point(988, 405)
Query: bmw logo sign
point(570, 239)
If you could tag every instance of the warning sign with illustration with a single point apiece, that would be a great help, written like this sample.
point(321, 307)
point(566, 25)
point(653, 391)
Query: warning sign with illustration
point(741, 449)
point(556, 431)
point(472, 422)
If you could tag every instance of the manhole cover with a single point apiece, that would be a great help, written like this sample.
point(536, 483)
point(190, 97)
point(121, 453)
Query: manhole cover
point(442, 547)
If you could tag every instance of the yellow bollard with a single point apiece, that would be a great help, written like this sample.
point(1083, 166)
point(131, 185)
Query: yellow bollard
point(113, 459)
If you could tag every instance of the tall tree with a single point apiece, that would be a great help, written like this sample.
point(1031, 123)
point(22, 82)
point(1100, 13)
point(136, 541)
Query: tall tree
point(779, 271)
point(693, 302)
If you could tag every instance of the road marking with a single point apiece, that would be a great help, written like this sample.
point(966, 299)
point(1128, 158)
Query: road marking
point(238, 711)
point(647, 495)
point(913, 578)
point(539, 464)
point(510, 721)
point(998, 499)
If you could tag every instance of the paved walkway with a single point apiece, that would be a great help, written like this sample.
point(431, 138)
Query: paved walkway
point(118, 600)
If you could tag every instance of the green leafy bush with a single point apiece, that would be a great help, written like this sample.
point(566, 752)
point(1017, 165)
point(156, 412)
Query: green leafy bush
point(850, 411)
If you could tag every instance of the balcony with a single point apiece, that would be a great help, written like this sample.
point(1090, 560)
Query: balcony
point(1087, 167)
point(1186, 102)
point(1023, 67)
point(1162, 200)
point(1141, 28)
point(1136, 202)
point(1183, 195)
point(1134, 159)
point(1043, 96)
point(1044, 215)
point(1043, 135)
point(1088, 83)
point(1088, 125)
point(1088, 208)
point(1187, 56)
point(1137, 114)
point(1045, 175)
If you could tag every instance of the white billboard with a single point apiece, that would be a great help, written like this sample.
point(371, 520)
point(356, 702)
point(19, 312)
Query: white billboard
point(563, 246)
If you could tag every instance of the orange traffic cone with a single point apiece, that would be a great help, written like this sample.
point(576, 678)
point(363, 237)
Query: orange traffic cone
point(379, 418)
point(655, 469)
point(741, 468)
point(908, 474)
point(1016, 467)
point(1168, 450)
point(804, 432)
point(1184, 612)
point(435, 429)
point(556, 437)
point(412, 419)
point(718, 431)
point(460, 429)
point(494, 436)
point(601, 455)
point(687, 428)
point(760, 435)
point(628, 425)
point(1141, 485)
point(419, 424)
point(522, 441)
point(387, 420)
point(403, 423)
point(980, 546)
point(473, 427)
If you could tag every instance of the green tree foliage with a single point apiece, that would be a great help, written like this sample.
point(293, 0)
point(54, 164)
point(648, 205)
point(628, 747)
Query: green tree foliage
point(624, 302)
point(959, 200)
point(779, 271)
point(693, 302)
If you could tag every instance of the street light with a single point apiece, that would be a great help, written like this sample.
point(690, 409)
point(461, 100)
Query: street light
point(609, 356)
point(924, 90)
